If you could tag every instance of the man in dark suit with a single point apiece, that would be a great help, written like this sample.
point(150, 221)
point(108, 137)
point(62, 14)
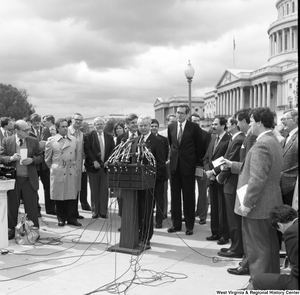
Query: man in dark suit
point(216, 149)
point(6, 124)
point(230, 183)
point(98, 146)
point(202, 204)
point(159, 184)
point(285, 219)
point(146, 197)
point(187, 149)
point(132, 132)
point(42, 134)
point(289, 171)
point(27, 182)
point(260, 178)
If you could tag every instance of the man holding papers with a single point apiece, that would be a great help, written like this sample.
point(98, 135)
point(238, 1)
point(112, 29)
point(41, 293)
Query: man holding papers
point(261, 172)
point(217, 148)
point(22, 152)
point(230, 181)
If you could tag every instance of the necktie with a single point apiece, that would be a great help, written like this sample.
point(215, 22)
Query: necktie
point(142, 138)
point(38, 135)
point(216, 143)
point(21, 142)
point(132, 136)
point(180, 133)
point(284, 143)
point(76, 133)
point(101, 146)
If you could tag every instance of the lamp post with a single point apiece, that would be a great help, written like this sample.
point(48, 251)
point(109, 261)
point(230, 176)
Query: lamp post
point(189, 74)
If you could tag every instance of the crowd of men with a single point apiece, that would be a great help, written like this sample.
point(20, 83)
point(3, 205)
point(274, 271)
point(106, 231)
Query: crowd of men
point(243, 153)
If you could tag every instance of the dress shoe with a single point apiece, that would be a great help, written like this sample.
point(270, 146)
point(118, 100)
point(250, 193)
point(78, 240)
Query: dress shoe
point(51, 213)
point(86, 207)
point(61, 223)
point(39, 214)
point(95, 216)
point(224, 250)
point(222, 241)
point(173, 229)
point(80, 217)
point(230, 254)
point(212, 238)
point(189, 232)
point(103, 216)
point(240, 271)
point(75, 223)
point(158, 225)
point(202, 221)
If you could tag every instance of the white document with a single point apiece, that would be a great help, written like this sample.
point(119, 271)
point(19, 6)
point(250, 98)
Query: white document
point(23, 154)
point(218, 162)
point(241, 192)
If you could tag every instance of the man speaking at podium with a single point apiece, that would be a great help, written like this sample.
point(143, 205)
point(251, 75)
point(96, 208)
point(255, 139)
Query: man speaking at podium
point(146, 197)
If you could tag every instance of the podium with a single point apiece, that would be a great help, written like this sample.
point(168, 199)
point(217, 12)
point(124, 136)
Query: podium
point(130, 178)
point(5, 185)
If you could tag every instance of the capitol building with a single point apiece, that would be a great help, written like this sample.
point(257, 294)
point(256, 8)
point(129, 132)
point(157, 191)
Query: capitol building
point(275, 84)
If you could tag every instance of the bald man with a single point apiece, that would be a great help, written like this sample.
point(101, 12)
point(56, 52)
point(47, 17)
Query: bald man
point(27, 182)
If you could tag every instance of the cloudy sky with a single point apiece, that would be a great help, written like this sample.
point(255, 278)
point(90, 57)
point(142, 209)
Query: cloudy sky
point(101, 57)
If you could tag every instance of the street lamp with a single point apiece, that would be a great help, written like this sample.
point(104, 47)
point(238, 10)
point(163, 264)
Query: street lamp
point(189, 73)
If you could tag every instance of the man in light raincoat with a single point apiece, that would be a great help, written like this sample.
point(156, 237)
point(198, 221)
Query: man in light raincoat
point(60, 156)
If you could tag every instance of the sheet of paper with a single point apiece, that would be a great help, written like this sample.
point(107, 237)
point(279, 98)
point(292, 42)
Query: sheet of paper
point(23, 154)
point(241, 192)
point(218, 162)
point(199, 171)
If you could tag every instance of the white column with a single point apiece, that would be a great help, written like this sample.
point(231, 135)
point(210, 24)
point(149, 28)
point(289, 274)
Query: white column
point(264, 94)
point(255, 96)
point(291, 39)
point(259, 104)
point(279, 94)
point(277, 43)
point(296, 38)
point(283, 41)
point(222, 107)
point(251, 97)
point(270, 45)
point(233, 103)
point(268, 94)
point(230, 103)
point(225, 103)
point(242, 103)
point(221, 104)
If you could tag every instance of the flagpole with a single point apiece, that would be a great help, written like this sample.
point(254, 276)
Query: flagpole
point(233, 53)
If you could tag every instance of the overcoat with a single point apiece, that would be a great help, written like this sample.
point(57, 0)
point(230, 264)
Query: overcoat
point(60, 156)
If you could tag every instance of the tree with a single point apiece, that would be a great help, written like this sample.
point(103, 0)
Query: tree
point(13, 102)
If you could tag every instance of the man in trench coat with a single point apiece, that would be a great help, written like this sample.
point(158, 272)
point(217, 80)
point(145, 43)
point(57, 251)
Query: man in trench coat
point(60, 156)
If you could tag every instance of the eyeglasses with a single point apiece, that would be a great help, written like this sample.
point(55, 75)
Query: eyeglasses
point(180, 113)
point(79, 120)
point(284, 119)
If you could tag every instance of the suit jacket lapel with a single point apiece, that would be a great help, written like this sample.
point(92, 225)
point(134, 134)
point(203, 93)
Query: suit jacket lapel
point(290, 143)
point(96, 139)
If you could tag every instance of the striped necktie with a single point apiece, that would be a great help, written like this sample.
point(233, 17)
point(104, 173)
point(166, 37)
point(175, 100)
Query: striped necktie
point(180, 133)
